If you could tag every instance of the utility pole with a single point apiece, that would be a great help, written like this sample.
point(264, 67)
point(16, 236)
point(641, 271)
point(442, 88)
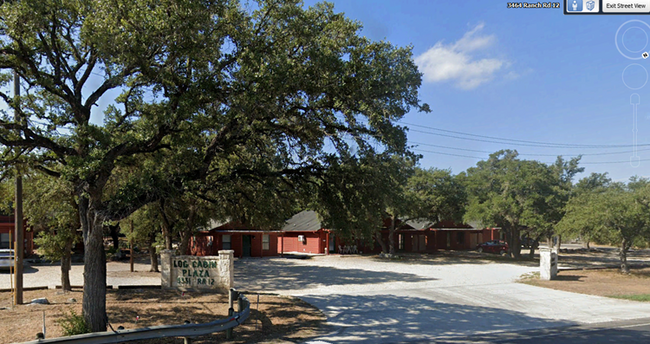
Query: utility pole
point(19, 247)
point(131, 247)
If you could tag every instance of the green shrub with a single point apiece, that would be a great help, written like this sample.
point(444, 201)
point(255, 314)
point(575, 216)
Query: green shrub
point(73, 324)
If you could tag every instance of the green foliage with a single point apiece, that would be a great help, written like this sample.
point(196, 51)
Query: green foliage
point(50, 207)
point(73, 324)
point(633, 297)
point(436, 195)
point(6, 196)
point(616, 213)
point(355, 195)
point(215, 100)
point(579, 223)
point(511, 193)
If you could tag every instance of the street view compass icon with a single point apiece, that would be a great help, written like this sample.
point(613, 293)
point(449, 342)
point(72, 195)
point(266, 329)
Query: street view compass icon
point(591, 4)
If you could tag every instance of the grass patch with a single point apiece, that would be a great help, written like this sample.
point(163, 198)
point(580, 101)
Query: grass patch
point(633, 297)
point(529, 276)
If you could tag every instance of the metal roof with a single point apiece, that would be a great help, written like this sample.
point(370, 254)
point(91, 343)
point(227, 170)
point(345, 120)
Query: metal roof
point(420, 224)
point(304, 221)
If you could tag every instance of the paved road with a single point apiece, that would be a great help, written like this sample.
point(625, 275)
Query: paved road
point(635, 331)
point(376, 301)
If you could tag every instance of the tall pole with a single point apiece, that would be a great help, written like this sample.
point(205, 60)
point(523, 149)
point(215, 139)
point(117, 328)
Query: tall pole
point(131, 247)
point(18, 216)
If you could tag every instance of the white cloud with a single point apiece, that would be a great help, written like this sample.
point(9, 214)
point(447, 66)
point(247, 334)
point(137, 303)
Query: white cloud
point(456, 62)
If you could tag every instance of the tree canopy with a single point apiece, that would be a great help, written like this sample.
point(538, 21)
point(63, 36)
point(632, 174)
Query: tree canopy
point(275, 95)
point(614, 212)
point(511, 193)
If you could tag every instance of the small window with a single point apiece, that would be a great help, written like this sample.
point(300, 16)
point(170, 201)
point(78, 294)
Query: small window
point(4, 240)
point(265, 242)
point(226, 242)
point(460, 237)
point(400, 239)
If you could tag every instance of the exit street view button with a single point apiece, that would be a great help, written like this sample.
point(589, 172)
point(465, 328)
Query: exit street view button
point(626, 6)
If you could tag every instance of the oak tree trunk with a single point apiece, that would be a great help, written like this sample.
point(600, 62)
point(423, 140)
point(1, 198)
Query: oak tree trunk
point(516, 244)
point(184, 247)
point(94, 299)
point(381, 242)
point(166, 226)
point(622, 253)
point(391, 237)
point(66, 264)
point(115, 235)
point(187, 232)
point(152, 253)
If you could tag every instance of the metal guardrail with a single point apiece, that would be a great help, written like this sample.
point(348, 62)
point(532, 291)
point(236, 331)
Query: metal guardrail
point(186, 330)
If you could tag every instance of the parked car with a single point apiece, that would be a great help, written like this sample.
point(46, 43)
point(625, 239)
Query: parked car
point(6, 259)
point(527, 242)
point(493, 246)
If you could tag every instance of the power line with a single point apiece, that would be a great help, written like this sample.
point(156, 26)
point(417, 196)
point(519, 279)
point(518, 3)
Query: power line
point(525, 154)
point(450, 154)
point(548, 163)
point(492, 139)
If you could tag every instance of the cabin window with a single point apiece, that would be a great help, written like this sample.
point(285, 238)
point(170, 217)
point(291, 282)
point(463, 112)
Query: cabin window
point(226, 242)
point(460, 237)
point(400, 239)
point(265, 242)
point(4, 240)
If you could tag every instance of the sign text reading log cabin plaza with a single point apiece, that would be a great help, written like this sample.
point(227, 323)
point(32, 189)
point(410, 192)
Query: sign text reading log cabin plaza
point(192, 272)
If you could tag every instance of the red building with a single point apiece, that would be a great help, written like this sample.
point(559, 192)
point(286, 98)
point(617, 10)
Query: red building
point(304, 233)
point(301, 234)
point(7, 234)
point(245, 240)
point(425, 236)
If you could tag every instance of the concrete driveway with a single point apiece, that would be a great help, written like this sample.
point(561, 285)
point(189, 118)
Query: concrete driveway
point(368, 300)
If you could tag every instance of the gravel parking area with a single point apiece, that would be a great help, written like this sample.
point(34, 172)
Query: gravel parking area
point(421, 298)
point(118, 273)
point(371, 300)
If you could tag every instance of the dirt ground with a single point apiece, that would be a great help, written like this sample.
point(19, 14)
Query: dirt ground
point(608, 282)
point(274, 319)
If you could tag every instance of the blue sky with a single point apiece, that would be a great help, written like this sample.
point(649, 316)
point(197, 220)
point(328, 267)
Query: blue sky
point(519, 74)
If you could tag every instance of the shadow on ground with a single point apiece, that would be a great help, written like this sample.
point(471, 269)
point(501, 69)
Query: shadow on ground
point(599, 334)
point(458, 257)
point(395, 319)
point(26, 270)
point(278, 274)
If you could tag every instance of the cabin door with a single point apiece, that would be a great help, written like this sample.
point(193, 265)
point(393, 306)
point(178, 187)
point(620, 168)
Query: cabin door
point(246, 245)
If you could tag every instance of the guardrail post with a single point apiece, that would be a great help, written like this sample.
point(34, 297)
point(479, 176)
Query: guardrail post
point(232, 295)
point(187, 340)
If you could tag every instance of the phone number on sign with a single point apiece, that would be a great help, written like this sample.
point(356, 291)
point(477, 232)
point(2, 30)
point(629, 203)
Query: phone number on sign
point(533, 5)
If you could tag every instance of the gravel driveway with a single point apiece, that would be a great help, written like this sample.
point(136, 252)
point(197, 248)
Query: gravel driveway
point(49, 275)
point(372, 300)
point(369, 300)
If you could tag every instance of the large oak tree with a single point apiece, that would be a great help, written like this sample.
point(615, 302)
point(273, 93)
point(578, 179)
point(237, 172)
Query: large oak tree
point(275, 95)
